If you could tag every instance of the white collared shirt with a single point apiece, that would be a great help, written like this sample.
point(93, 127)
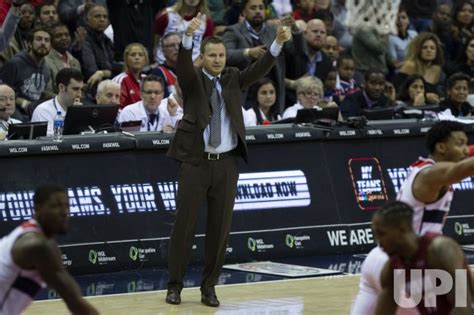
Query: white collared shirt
point(46, 111)
point(137, 111)
point(291, 111)
point(228, 134)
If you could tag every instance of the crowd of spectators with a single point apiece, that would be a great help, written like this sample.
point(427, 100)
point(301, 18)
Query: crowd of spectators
point(124, 52)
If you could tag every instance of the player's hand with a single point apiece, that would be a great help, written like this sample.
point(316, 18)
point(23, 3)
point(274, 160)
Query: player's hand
point(195, 24)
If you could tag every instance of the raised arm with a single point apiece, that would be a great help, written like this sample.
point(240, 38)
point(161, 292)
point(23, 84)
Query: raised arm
point(430, 182)
point(33, 251)
point(445, 254)
point(185, 66)
point(9, 26)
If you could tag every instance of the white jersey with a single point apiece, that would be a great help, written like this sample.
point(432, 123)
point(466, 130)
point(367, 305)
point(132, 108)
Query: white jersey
point(177, 24)
point(426, 217)
point(18, 287)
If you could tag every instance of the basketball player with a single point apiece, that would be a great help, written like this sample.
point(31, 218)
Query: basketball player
point(428, 191)
point(29, 257)
point(393, 230)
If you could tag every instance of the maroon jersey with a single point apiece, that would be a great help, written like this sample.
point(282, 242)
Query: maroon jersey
point(420, 261)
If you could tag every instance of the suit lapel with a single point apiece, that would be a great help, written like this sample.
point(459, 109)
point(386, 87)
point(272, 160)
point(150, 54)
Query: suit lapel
point(207, 86)
point(57, 63)
point(245, 33)
point(266, 37)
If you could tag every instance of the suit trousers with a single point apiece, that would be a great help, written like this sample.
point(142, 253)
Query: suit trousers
point(216, 183)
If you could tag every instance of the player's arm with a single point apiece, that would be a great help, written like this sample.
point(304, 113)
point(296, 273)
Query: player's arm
point(33, 251)
point(386, 304)
point(429, 182)
point(445, 254)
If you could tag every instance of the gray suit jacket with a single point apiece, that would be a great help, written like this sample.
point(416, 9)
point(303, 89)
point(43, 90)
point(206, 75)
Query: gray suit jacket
point(54, 64)
point(237, 38)
point(188, 142)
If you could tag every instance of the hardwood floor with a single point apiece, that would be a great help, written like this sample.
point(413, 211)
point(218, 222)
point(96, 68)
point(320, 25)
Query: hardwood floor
point(324, 295)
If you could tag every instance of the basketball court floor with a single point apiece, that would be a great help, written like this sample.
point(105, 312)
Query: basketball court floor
point(143, 292)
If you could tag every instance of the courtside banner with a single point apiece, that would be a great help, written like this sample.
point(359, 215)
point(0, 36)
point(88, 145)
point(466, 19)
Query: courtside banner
point(307, 193)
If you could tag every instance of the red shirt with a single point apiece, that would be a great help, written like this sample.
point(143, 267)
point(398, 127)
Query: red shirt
point(300, 15)
point(5, 6)
point(161, 22)
point(129, 90)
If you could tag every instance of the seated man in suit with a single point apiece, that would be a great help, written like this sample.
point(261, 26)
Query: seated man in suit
point(59, 58)
point(372, 95)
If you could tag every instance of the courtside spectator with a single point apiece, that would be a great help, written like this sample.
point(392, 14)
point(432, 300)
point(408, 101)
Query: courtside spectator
point(372, 95)
point(27, 72)
point(59, 57)
point(136, 59)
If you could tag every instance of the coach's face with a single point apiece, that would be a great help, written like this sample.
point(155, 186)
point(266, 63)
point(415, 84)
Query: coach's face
point(213, 58)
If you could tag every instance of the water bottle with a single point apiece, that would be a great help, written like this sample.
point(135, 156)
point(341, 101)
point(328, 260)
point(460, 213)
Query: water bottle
point(58, 127)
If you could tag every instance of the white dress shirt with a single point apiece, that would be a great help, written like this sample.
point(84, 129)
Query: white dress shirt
point(46, 111)
point(228, 134)
point(137, 111)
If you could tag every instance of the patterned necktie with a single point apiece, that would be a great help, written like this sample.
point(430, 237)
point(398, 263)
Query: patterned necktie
point(151, 120)
point(215, 125)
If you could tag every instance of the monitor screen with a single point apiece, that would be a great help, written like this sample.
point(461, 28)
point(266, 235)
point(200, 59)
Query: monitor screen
point(380, 113)
point(289, 120)
point(26, 131)
point(309, 115)
point(131, 126)
point(81, 118)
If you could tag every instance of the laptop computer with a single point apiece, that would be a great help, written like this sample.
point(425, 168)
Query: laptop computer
point(309, 115)
point(27, 131)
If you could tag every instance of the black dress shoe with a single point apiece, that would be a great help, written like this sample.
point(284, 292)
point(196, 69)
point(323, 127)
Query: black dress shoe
point(173, 297)
point(210, 300)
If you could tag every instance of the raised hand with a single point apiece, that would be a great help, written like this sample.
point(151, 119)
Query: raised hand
point(290, 22)
point(195, 24)
point(283, 35)
point(172, 106)
point(419, 99)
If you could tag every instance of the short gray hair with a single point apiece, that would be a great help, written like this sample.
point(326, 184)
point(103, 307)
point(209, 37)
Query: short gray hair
point(307, 83)
point(105, 84)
